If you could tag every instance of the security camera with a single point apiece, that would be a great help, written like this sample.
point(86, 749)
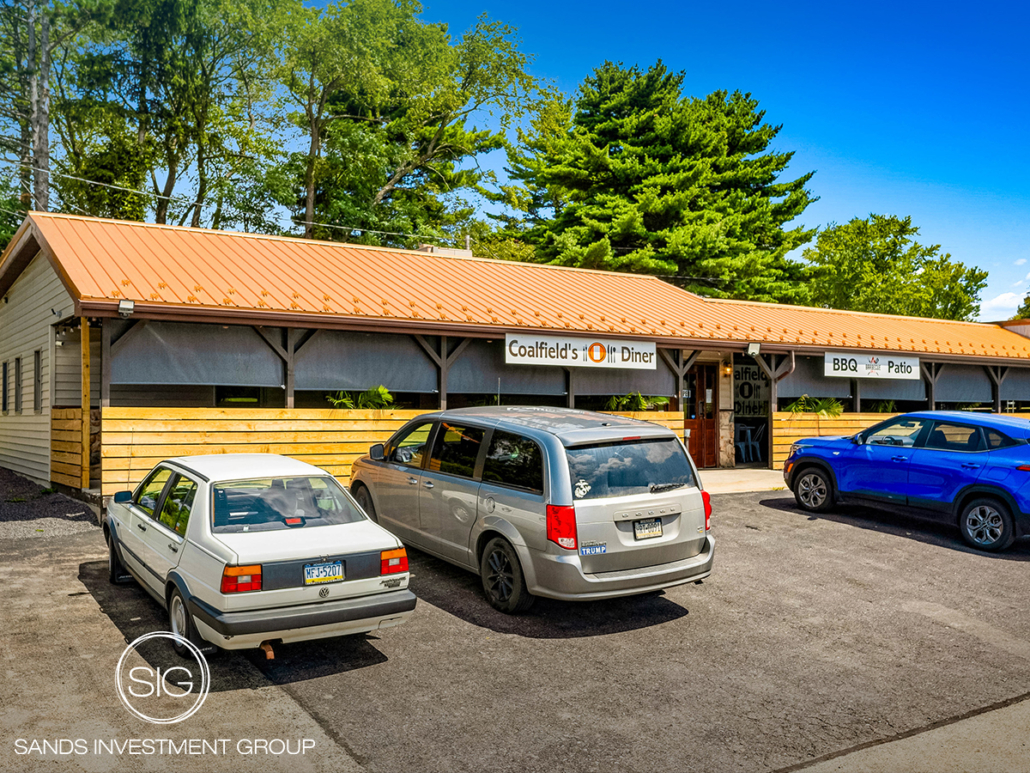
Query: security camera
point(753, 350)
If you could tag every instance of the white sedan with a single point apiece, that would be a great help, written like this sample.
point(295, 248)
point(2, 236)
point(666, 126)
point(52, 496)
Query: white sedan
point(246, 550)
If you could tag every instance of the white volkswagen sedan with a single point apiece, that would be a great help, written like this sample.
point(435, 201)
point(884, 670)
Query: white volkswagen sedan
point(248, 550)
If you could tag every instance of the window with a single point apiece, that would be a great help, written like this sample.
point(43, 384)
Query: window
point(410, 448)
point(150, 490)
point(17, 384)
point(513, 460)
point(996, 439)
point(896, 432)
point(275, 504)
point(456, 449)
point(633, 467)
point(37, 381)
point(175, 513)
point(946, 436)
point(5, 387)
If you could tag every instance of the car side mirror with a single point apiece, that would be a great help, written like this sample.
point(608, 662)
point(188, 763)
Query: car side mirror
point(121, 497)
point(857, 439)
point(377, 452)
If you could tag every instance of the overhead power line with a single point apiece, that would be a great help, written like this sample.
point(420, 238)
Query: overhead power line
point(192, 202)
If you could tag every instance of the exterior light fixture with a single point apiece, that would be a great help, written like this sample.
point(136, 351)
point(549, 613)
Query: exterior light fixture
point(125, 308)
point(753, 350)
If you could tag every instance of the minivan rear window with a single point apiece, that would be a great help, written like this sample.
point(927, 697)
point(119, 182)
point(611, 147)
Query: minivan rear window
point(271, 504)
point(628, 467)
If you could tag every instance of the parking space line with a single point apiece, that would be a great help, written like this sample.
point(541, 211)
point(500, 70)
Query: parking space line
point(978, 629)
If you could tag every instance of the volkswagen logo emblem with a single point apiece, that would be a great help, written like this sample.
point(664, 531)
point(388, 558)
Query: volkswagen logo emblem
point(323, 593)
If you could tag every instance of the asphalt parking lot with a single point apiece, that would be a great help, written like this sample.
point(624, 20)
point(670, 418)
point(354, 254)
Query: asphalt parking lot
point(813, 635)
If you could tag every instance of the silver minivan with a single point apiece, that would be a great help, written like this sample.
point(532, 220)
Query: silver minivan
point(552, 502)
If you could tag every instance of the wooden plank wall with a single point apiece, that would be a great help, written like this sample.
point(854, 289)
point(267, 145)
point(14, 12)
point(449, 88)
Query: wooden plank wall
point(135, 439)
point(788, 428)
point(66, 446)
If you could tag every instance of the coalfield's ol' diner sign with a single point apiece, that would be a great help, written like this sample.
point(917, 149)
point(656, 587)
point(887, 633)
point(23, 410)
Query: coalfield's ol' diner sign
point(578, 352)
point(866, 365)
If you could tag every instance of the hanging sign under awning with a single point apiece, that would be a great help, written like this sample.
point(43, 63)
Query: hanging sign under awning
point(851, 365)
point(522, 349)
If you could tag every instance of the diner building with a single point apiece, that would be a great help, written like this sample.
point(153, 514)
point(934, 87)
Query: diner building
point(123, 343)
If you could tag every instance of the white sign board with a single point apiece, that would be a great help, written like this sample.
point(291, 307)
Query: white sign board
point(851, 365)
point(531, 349)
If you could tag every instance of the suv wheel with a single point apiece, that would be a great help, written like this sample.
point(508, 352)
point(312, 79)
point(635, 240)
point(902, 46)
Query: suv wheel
point(987, 525)
point(503, 581)
point(813, 491)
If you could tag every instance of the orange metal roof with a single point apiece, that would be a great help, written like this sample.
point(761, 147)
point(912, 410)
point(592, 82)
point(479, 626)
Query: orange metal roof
point(171, 270)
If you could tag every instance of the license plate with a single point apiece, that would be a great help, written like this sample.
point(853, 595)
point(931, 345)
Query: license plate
point(331, 571)
point(647, 529)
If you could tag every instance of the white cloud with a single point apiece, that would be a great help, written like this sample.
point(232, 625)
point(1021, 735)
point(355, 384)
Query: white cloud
point(1006, 302)
point(1021, 261)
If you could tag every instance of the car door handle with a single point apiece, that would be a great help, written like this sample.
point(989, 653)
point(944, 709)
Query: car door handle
point(429, 484)
point(173, 548)
point(899, 458)
point(141, 527)
point(970, 465)
point(413, 481)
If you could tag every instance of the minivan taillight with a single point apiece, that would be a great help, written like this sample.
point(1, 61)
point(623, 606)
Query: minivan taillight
point(239, 579)
point(561, 526)
point(707, 499)
point(393, 561)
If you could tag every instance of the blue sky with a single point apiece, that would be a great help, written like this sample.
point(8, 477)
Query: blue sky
point(903, 108)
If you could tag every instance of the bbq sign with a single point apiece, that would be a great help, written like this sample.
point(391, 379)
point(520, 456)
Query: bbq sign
point(850, 365)
point(578, 352)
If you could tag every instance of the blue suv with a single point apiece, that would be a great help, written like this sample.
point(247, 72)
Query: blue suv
point(972, 470)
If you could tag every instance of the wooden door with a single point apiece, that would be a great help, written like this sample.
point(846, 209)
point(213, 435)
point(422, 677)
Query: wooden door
point(701, 412)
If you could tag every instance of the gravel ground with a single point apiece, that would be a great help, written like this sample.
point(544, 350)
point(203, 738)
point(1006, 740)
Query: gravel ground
point(28, 511)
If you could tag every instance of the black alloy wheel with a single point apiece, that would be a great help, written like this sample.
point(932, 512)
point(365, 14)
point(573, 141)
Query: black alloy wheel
point(503, 581)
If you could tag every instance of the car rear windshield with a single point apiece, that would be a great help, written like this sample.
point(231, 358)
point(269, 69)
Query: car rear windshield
point(270, 504)
point(628, 467)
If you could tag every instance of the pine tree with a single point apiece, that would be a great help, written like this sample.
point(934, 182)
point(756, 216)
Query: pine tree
point(633, 176)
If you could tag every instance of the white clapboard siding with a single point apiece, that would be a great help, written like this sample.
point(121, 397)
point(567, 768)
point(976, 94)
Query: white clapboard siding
point(68, 366)
point(25, 326)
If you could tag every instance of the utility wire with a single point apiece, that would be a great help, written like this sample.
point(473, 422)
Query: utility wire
point(192, 202)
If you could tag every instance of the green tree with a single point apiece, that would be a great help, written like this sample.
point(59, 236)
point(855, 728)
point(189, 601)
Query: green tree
point(875, 264)
point(633, 176)
point(387, 116)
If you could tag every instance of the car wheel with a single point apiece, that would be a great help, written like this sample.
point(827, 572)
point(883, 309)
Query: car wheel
point(364, 499)
point(503, 581)
point(181, 624)
point(813, 490)
point(116, 572)
point(987, 525)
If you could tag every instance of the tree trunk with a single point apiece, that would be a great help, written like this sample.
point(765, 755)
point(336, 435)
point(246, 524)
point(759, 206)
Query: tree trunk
point(201, 187)
point(33, 84)
point(41, 127)
point(309, 182)
point(161, 210)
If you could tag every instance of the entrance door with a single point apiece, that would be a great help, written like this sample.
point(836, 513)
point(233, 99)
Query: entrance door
point(701, 411)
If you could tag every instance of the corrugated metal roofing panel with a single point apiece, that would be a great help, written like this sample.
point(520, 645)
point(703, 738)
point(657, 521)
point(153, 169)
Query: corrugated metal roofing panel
point(174, 267)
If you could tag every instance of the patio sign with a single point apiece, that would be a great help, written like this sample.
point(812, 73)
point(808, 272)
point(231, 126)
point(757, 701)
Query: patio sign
point(852, 365)
point(531, 349)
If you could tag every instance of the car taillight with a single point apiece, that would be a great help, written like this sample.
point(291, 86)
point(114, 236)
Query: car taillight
point(707, 499)
point(561, 526)
point(238, 579)
point(393, 561)
point(1024, 467)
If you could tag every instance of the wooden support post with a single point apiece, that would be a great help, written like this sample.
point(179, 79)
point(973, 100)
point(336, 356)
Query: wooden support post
point(856, 393)
point(930, 374)
point(775, 373)
point(570, 388)
point(84, 324)
point(679, 363)
point(291, 352)
point(997, 374)
point(105, 366)
point(443, 361)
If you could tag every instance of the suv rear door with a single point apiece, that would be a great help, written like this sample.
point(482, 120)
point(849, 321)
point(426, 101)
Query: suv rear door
point(952, 456)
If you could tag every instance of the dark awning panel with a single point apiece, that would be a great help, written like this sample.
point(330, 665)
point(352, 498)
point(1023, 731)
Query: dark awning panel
point(808, 379)
point(615, 381)
point(478, 368)
point(893, 389)
point(335, 360)
point(962, 384)
point(184, 353)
